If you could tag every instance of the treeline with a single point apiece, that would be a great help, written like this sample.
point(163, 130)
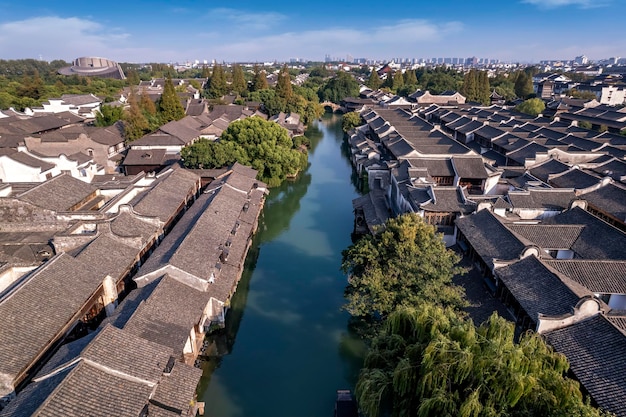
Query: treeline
point(426, 357)
point(475, 84)
point(253, 86)
point(28, 83)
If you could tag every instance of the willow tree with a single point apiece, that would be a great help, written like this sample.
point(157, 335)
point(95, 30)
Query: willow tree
point(427, 361)
point(407, 263)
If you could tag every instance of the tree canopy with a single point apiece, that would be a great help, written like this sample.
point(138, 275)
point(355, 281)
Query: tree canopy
point(264, 145)
point(239, 85)
point(532, 106)
point(350, 121)
point(339, 87)
point(523, 85)
point(107, 115)
point(374, 80)
point(428, 361)
point(169, 107)
point(216, 86)
point(405, 264)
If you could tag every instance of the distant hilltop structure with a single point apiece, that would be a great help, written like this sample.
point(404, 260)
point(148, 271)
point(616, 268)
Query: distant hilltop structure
point(94, 67)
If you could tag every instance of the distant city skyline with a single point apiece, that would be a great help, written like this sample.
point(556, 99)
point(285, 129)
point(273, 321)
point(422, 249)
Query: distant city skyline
point(158, 31)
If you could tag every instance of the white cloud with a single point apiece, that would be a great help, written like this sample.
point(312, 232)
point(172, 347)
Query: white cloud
point(551, 4)
point(59, 38)
point(245, 20)
point(380, 41)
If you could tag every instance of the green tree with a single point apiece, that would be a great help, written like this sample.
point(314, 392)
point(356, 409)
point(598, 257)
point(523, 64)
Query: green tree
point(272, 103)
point(239, 84)
point(339, 87)
point(532, 106)
point(388, 83)
point(206, 72)
point(135, 123)
point(32, 86)
point(319, 71)
point(585, 95)
point(259, 81)
point(169, 107)
point(146, 104)
point(469, 85)
point(6, 100)
point(428, 361)
point(398, 80)
point(107, 115)
point(350, 121)
point(253, 141)
point(484, 89)
point(410, 78)
point(373, 81)
point(407, 263)
point(523, 85)
point(216, 85)
point(283, 84)
point(132, 77)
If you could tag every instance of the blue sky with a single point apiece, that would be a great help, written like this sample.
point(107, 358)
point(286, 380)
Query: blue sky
point(161, 31)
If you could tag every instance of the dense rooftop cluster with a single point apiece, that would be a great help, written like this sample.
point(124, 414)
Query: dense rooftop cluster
point(537, 203)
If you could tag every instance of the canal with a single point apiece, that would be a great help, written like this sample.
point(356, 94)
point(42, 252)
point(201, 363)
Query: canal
point(286, 347)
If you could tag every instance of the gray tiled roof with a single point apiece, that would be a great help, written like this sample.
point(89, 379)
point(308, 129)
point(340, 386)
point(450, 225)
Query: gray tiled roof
point(60, 193)
point(90, 391)
point(67, 284)
point(144, 157)
point(374, 207)
point(489, 237)
point(470, 167)
point(527, 152)
point(596, 350)
point(598, 240)
point(549, 236)
point(541, 198)
point(182, 129)
point(166, 196)
point(614, 168)
point(437, 167)
point(449, 200)
point(551, 166)
point(202, 246)
point(601, 277)
point(107, 256)
point(537, 289)
point(574, 178)
point(162, 318)
point(111, 135)
point(127, 224)
point(157, 139)
point(178, 388)
point(610, 199)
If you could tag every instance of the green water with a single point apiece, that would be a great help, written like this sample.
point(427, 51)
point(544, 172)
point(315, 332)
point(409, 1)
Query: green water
point(286, 348)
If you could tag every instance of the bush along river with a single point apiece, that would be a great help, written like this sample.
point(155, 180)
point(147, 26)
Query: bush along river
point(286, 348)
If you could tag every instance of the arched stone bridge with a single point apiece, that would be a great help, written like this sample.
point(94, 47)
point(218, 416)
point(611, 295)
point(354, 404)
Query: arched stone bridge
point(336, 108)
